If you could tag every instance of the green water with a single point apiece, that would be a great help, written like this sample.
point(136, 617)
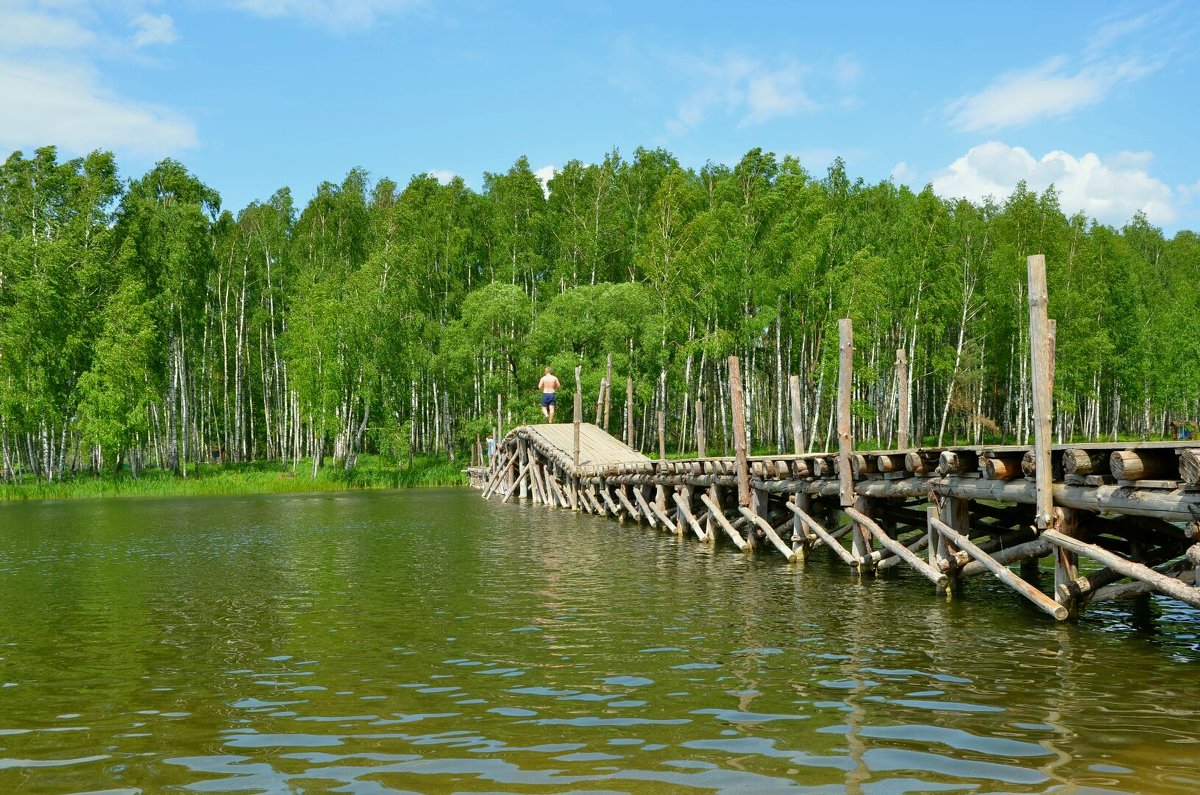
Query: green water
point(428, 641)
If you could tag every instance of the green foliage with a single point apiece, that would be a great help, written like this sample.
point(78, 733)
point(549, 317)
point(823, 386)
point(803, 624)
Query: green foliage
point(141, 325)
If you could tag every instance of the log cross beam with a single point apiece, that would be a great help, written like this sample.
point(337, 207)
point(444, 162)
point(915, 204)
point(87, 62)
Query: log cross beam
point(1171, 586)
point(824, 535)
point(715, 511)
point(1043, 602)
point(896, 548)
point(765, 526)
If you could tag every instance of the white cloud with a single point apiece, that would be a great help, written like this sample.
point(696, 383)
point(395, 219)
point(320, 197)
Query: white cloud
point(27, 29)
point(750, 90)
point(339, 16)
point(443, 176)
point(54, 92)
point(1047, 91)
point(154, 29)
point(1121, 49)
point(544, 175)
point(66, 105)
point(902, 172)
point(1110, 192)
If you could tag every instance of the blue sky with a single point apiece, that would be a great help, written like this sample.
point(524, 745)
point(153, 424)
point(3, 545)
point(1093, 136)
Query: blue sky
point(1101, 99)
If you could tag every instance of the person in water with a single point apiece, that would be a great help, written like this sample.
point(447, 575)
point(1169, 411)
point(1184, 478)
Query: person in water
point(549, 386)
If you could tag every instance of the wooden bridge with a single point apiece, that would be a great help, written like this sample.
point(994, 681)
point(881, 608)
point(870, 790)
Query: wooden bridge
point(1118, 519)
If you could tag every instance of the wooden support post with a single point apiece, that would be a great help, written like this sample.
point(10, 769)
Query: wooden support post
point(1043, 389)
point(647, 509)
point(1171, 586)
point(903, 412)
point(499, 420)
point(522, 479)
point(739, 431)
point(714, 510)
point(860, 538)
point(772, 536)
point(629, 509)
point(1066, 561)
point(956, 514)
point(801, 540)
point(797, 415)
point(1043, 602)
point(845, 442)
point(600, 403)
point(941, 581)
point(701, 439)
point(686, 511)
point(824, 535)
point(523, 457)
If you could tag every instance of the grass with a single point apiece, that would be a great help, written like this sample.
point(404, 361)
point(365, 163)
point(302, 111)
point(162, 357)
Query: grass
point(372, 472)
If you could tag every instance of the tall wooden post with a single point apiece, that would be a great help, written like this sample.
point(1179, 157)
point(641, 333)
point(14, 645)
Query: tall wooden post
point(701, 439)
point(902, 395)
point(578, 411)
point(662, 436)
point(499, 420)
point(845, 442)
point(860, 537)
point(1041, 341)
point(797, 415)
point(1039, 351)
point(607, 391)
point(739, 431)
point(600, 403)
point(629, 411)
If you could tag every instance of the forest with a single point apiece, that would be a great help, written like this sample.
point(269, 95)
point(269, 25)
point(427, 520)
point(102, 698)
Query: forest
point(143, 325)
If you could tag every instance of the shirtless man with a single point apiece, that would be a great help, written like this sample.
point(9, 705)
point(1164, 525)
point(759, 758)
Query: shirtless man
point(549, 386)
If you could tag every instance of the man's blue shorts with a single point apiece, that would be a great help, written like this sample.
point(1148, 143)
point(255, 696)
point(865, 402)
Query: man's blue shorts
point(548, 399)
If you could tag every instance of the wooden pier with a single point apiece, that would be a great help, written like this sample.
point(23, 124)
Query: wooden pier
point(1129, 511)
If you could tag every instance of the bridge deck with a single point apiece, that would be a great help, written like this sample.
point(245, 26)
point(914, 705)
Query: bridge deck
point(596, 448)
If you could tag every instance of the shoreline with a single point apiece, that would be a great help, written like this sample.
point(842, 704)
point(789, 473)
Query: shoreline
point(231, 479)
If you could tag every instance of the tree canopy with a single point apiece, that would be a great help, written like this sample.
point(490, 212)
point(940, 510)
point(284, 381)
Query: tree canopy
point(142, 324)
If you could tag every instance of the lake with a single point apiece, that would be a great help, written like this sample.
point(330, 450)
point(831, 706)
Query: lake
point(429, 641)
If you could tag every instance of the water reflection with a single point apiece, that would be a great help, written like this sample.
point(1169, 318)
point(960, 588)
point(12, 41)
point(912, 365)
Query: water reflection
point(429, 642)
